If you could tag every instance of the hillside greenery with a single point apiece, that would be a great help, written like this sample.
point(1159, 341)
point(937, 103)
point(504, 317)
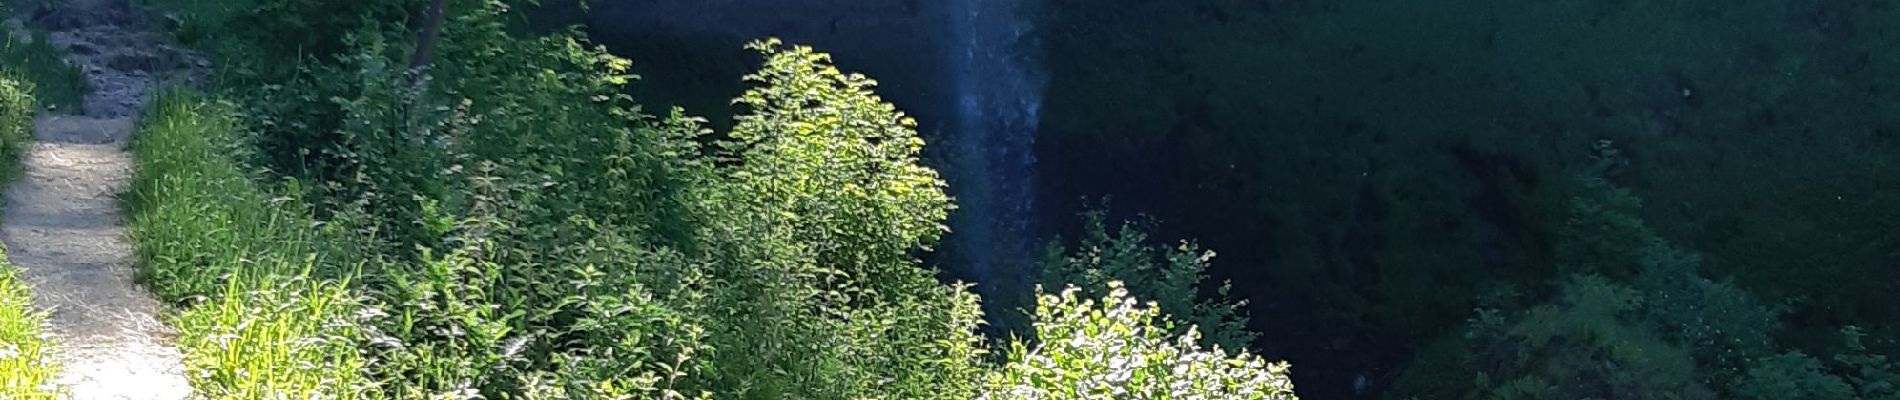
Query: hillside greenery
point(1635, 318)
point(1373, 171)
point(1540, 201)
point(507, 223)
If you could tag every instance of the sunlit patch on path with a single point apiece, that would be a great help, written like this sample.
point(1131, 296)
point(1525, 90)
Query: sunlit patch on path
point(63, 227)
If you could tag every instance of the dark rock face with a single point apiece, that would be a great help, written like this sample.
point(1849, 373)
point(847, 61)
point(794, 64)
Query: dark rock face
point(699, 43)
point(815, 20)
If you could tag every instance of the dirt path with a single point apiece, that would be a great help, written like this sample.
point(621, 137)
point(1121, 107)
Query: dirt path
point(63, 223)
point(63, 226)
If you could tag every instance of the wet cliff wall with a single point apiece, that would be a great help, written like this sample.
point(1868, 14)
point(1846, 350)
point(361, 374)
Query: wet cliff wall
point(691, 51)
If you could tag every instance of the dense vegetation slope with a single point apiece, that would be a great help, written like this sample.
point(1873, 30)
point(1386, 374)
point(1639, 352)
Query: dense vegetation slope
point(1373, 170)
point(503, 222)
point(506, 222)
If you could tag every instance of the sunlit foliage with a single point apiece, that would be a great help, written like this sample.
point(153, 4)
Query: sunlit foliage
point(507, 224)
point(1118, 348)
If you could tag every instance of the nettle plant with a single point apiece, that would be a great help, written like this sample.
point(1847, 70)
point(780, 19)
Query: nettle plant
point(814, 207)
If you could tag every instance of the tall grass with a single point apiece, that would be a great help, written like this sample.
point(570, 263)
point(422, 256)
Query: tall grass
point(26, 365)
point(57, 84)
point(16, 124)
point(256, 324)
point(26, 357)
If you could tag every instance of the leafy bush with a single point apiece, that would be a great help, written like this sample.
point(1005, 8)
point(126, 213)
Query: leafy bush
point(1118, 349)
point(1171, 277)
point(1874, 377)
point(1792, 375)
point(1584, 345)
point(817, 144)
point(814, 206)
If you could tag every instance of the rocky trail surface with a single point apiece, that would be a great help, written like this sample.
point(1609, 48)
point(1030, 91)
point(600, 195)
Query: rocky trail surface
point(63, 223)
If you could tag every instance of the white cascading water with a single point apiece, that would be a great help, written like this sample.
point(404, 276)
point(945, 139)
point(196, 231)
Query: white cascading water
point(995, 65)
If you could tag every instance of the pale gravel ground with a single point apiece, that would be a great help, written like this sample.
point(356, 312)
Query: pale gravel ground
point(64, 226)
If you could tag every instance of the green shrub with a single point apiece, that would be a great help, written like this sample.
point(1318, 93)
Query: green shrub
point(1794, 376)
point(1874, 377)
point(1603, 335)
point(814, 207)
point(1586, 344)
point(818, 145)
point(1170, 276)
point(1118, 349)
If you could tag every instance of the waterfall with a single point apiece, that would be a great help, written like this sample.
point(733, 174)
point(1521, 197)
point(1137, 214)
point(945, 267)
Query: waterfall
point(995, 65)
